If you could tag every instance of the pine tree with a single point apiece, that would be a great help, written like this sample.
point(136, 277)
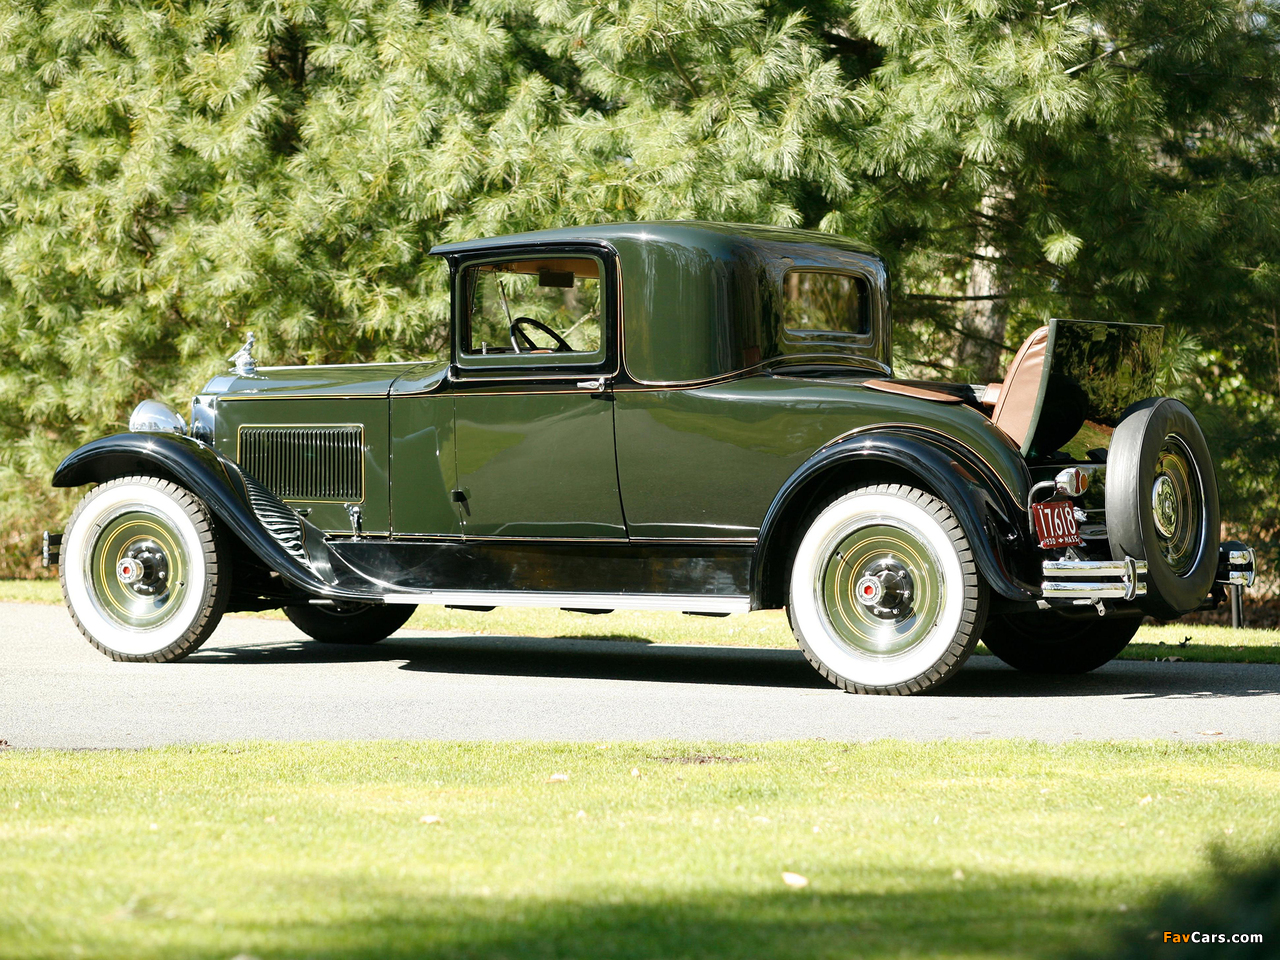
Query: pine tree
point(179, 174)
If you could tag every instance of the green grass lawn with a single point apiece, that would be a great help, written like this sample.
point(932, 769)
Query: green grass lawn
point(765, 628)
point(992, 849)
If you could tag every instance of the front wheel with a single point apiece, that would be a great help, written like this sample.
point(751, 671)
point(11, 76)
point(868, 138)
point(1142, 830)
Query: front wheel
point(357, 623)
point(885, 593)
point(1045, 641)
point(141, 571)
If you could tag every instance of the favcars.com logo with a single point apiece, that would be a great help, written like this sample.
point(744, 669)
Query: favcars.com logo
point(1198, 937)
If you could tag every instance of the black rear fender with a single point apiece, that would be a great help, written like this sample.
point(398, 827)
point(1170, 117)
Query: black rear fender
point(992, 519)
point(275, 534)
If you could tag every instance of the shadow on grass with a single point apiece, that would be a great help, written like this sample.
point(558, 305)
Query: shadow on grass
point(1009, 917)
point(633, 658)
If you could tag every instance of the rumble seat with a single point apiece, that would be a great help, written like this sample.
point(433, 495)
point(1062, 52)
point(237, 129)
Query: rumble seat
point(1015, 407)
point(1011, 404)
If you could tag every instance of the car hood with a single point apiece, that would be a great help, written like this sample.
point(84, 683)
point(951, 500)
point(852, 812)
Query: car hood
point(338, 380)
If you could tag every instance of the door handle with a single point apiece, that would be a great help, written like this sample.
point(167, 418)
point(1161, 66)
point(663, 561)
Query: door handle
point(592, 385)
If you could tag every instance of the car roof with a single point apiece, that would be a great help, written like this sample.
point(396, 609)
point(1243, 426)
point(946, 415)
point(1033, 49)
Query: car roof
point(699, 299)
point(674, 231)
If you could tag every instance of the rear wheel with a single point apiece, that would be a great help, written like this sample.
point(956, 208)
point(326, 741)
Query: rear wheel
point(356, 623)
point(141, 571)
point(885, 594)
point(1047, 642)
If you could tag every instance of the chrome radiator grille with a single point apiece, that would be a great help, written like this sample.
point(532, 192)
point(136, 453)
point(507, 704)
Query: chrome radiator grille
point(322, 462)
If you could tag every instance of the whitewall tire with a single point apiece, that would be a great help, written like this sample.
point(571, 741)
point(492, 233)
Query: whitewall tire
point(140, 570)
point(885, 594)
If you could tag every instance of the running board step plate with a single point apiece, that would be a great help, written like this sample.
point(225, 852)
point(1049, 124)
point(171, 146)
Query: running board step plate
point(681, 603)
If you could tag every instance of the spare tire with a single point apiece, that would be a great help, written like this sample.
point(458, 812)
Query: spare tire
point(1162, 504)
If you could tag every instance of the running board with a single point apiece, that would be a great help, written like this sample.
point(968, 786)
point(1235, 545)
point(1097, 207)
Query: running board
point(681, 603)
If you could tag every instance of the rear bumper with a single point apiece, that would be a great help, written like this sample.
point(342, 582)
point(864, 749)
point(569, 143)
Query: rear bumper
point(49, 555)
point(1237, 565)
point(1087, 581)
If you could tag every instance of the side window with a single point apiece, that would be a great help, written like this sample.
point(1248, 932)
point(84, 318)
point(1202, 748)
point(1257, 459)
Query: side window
point(527, 309)
point(814, 302)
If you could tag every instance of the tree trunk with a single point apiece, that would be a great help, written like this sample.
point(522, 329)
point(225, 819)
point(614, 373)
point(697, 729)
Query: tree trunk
point(983, 321)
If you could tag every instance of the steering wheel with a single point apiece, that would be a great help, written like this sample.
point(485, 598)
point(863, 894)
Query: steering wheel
point(562, 345)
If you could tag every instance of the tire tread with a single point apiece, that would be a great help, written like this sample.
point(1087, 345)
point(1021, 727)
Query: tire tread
point(216, 601)
point(971, 619)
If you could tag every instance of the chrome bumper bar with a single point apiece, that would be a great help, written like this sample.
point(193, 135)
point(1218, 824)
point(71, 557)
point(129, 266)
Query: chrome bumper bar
point(1083, 580)
point(49, 555)
point(1237, 565)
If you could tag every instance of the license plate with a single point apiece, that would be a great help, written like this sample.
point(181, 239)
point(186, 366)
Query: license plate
point(1056, 524)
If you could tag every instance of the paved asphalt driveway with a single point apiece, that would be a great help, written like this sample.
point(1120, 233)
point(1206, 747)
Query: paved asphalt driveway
point(261, 679)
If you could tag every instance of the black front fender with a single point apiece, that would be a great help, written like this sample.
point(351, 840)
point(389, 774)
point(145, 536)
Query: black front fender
point(280, 538)
point(987, 510)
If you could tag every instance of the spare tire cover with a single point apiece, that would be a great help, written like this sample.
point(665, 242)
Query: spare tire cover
point(1162, 504)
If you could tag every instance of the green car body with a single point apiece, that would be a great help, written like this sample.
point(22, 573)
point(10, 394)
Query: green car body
point(672, 463)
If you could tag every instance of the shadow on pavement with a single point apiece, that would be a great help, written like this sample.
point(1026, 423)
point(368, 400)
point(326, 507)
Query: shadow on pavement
point(633, 658)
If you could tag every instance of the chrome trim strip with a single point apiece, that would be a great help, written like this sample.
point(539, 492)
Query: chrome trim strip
point(682, 603)
point(585, 541)
point(1097, 568)
point(229, 397)
point(1088, 590)
point(354, 363)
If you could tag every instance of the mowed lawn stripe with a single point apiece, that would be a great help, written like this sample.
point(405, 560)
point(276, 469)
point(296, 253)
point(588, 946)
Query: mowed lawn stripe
point(395, 849)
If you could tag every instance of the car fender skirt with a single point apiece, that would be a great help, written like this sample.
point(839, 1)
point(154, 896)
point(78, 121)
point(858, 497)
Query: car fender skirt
point(276, 534)
point(986, 509)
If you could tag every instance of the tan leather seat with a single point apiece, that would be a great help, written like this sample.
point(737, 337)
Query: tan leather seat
point(1015, 409)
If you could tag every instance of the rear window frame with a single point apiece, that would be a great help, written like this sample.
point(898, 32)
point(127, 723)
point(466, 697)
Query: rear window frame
point(868, 306)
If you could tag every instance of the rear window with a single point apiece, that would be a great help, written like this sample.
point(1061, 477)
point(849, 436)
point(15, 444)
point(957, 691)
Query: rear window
point(814, 302)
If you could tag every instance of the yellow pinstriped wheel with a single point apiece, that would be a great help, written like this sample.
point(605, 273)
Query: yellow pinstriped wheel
point(140, 570)
point(885, 594)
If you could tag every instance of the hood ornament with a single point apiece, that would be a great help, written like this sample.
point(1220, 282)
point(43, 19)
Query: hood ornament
point(243, 360)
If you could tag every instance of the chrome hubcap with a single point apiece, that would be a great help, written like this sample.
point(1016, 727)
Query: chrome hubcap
point(1164, 504)
point(144, 568)
point(1177, 505)
point(886, 590)
point(137, 568)
point(129, 571)
point(880, 589)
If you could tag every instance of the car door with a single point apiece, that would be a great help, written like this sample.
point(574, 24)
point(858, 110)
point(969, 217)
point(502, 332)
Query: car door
point(533, 415)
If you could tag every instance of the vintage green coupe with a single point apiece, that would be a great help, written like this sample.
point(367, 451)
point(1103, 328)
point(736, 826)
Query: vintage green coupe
point(667, 416)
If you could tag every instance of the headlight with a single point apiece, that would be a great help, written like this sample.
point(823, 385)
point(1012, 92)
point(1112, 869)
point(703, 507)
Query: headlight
point(202, 414)
point(152, 416)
